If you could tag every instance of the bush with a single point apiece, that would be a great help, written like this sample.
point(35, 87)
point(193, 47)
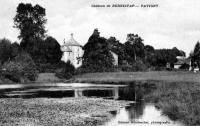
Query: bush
point(13, 71)
point(66, 72)
point(185, 66)
point(136, 66)
point(50, 68)
point(21, 69)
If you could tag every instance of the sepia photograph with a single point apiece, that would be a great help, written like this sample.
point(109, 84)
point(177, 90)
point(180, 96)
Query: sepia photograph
point(99, 63)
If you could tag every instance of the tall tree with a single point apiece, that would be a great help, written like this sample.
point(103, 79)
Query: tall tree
point(196, 54)
point(15, 49)
point(30, 20)
point(149, 55)
point(118, 48)
point(53, 53)
point(97, 56)
point(134, 46)
point(5, 50)
point(164, 56)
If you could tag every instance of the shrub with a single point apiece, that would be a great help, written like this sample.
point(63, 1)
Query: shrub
point(185, 66)
point(66, 72)
point(21, 69)
point(50, 67)
point(136, 66)
point(13, 71)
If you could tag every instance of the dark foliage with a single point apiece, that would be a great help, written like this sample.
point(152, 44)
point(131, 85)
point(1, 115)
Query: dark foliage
point(67, 70)
point(5, 50)
point(53, 53)
point(8, 51)
point(149, 59)
point(21, 69)
point(195, 56)
point(185, 66)
point(138, 65)
point(164, 56)
point(118, 48)
point(36, 48)
point(97, 56)
point(15, 50)
point(45, 53)
point(134, 47)
point(30, 21)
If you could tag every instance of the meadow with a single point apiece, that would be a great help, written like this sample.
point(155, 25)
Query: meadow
point(126, 77)
point(176, 93)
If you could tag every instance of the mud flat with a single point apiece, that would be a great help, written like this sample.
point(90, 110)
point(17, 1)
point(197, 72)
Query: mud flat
point(57, 111)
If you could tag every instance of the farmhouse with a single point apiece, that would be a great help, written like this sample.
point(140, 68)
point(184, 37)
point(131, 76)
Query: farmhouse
point(73, 52)
point(182, 63)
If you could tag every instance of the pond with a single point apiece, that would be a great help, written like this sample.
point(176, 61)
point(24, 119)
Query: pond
point(138, 113)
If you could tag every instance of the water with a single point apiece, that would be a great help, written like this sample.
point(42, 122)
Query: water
point(137, 113)
point(141, 114)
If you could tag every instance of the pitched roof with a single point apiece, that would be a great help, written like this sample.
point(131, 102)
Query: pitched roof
point(72, 42)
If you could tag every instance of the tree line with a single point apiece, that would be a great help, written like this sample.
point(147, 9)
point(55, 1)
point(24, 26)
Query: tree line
point(133, 55)
point(39, 52)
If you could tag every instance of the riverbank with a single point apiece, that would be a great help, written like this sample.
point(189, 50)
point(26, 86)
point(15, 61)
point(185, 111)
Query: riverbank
point(178, 100)
point(63, 111)
point(177, 94)
point(127, 77)
point(42, 78)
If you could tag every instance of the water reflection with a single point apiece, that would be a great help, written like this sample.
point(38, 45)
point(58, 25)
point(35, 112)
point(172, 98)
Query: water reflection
point(57, 91)
point(137, 114)
point(135, 111)
point(141, 114)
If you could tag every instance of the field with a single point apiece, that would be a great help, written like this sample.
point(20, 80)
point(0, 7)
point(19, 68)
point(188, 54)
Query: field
point(123, 77)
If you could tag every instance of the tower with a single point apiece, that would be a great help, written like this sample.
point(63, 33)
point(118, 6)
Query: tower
point(72, 51)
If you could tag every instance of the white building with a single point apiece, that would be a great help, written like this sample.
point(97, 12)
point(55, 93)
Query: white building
point(115, 56)
point(72, 51)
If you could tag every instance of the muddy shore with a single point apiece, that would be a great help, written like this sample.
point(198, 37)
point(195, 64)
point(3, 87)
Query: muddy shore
point(63, 111)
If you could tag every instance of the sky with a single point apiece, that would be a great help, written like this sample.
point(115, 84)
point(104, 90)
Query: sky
point(171, 24)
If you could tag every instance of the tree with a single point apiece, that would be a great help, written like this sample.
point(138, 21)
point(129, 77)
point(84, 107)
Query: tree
point(134, 47)
point(164, 56)
point(36, 48)
point(67, 70)
point(5, 50)
point(15, 49)
point(30, 21)
point(97, 56)
point(20, 69)
point(118, 48)
point(53, 53)
point(178, 52)
point(149, 55)
point(196, 55)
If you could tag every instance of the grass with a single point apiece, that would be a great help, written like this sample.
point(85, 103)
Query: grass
point(176, 93)
point(47, 77)
point(127, 77)
point(180, 101)
point(51, 112)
